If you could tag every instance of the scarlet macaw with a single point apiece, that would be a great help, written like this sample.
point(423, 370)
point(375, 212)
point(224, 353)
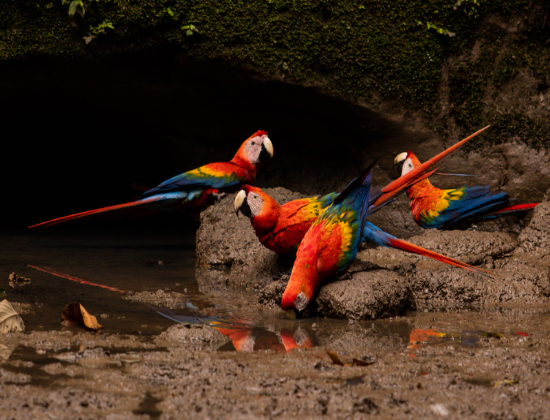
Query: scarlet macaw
point(195, 190)
point(282, 228)
point(433, 208)
point(330, 245)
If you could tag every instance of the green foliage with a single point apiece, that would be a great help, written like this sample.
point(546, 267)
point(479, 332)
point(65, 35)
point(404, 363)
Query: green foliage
point(100, 29)
point(470, 7)
point(74, 6)
point(189, 29)
point(370, 50)
point(439, 30)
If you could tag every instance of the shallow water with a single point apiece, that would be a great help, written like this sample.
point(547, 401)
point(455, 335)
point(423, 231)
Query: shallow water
point(99, 266)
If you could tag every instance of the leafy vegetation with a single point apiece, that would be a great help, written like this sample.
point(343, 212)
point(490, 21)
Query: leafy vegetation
point(368, 50)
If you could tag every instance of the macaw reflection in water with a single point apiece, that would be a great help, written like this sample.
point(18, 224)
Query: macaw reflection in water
point(246, 338)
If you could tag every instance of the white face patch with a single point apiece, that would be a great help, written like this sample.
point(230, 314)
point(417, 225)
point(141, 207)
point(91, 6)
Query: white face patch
point(247, 344)
point(255, 202)
point(407, 166)
point(301, 301)
point(301, 337)
point(253, 149)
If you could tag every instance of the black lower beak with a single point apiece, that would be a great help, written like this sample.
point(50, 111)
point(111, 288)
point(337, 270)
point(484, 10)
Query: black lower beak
point(245, 209)
point(264, 155)
point(398, 168)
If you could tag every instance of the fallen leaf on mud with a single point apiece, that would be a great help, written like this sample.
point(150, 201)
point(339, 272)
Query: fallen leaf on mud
point(10, 321)
point(16, 280)
point(75, 314)
point(4, 352)
point(354, 362)
point(492, 335)
point(522, 333)
point(335, 358)
point(506, 382)
point(423, 336)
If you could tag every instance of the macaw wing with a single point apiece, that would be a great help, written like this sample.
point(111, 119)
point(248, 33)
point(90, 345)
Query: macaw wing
point(308, 208)
point(469, 201)
point(338, 241)
point(214, 175)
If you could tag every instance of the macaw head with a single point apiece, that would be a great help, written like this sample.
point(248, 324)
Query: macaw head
point(303, 283)
point(408, 161)
point(296, 298)
point(296, 339)
point(255, 150)
point(255, 204)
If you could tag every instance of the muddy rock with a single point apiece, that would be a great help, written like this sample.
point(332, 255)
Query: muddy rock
point(467, 246)
point(384, 258)
point(158, 298)
point(228, 244)
point(200, 336)
point(535, 239)
point(367, 295)
point(272, 294)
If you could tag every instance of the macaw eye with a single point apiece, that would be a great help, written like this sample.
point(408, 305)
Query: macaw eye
point(253, 143)
point(255, 197)
point(410, 166)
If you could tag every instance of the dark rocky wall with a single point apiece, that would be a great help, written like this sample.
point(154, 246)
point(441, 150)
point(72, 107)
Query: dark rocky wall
point(456, 65)
point(334, 83)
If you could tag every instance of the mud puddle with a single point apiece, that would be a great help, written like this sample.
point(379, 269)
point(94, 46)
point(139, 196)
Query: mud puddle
point(140, 283)
point(168, 350)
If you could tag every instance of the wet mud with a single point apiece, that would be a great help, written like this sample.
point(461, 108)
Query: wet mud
point(201, 336)
point(423, 365)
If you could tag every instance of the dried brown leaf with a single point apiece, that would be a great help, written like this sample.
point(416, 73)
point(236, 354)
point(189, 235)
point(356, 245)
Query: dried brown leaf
point(15, 280)
point(10, 321)
point(335, 358)
point(75, 314)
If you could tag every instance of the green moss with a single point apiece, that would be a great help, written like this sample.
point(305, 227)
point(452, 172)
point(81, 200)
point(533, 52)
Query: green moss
point(372, 49)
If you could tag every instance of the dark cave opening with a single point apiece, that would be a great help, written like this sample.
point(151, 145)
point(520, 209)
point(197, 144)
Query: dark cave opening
point(79, 132)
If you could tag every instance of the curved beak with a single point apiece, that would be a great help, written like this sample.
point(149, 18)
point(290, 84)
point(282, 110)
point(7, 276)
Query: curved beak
point(267, 150)
point(241, 204)
point(399, 159)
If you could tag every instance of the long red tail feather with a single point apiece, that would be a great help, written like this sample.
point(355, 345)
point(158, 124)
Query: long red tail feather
point(428, 164)
point(517, 207)
point(88, 214)
point(384, 198)
point(408, 247)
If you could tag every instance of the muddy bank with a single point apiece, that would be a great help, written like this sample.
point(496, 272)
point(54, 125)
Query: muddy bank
point(384, 282)
point(230, 357)
point(179, 373)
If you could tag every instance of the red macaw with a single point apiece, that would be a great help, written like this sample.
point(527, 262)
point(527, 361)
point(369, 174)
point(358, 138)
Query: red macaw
point(195, 190)
point(281, 228)
point(433, 208)
point(330, 245)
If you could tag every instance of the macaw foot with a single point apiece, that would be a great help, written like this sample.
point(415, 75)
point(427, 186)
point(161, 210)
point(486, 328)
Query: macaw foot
point(218, 196)
point(345, 276)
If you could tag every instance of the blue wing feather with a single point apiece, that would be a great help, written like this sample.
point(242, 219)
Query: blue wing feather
point(477, 201)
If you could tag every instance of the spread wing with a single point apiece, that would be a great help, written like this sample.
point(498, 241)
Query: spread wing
point(214, 175)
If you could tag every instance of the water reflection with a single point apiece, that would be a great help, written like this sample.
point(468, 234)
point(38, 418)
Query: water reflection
point(243, 335)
